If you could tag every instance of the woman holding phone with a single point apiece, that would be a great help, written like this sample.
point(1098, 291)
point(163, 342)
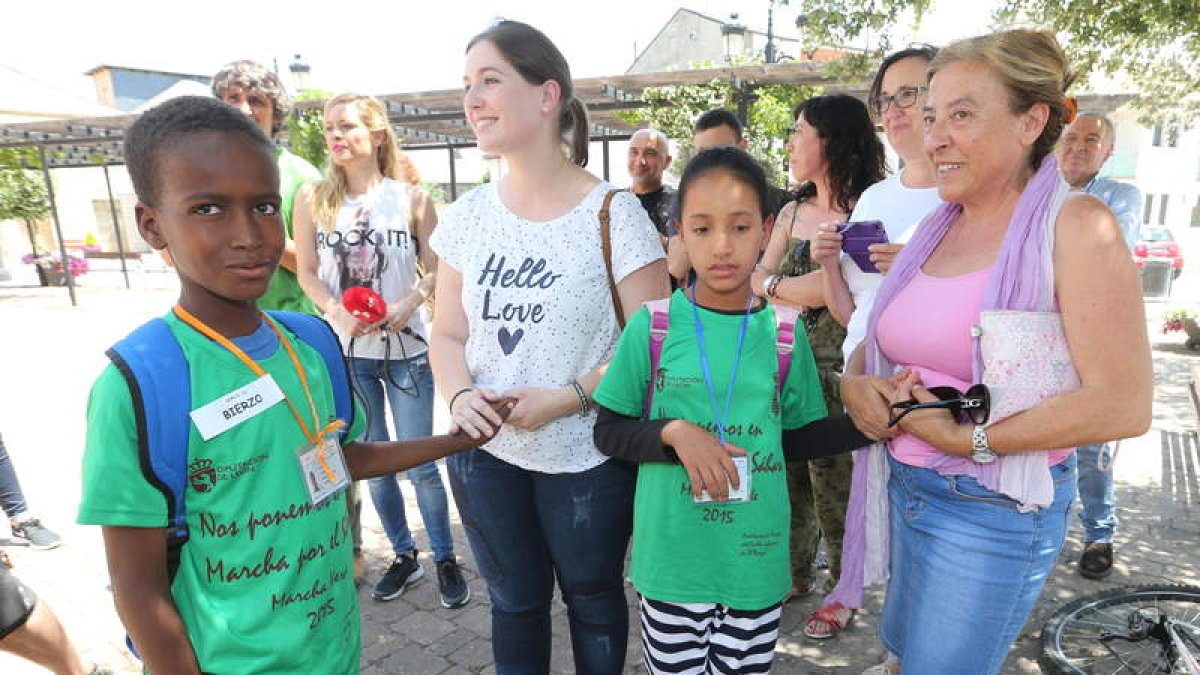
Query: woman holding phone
point(834, 155)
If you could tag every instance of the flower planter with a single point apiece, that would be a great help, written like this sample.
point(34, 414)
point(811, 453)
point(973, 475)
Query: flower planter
point(48, 276)
point(1193, 332)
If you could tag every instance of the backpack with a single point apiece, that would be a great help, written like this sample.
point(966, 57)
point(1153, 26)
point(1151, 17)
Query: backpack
point(159, 380)
point(660, 321)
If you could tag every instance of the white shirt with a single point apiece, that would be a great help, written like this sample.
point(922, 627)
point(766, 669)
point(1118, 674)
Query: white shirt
point(372, 245)
point(901, 209)
point(539, 311)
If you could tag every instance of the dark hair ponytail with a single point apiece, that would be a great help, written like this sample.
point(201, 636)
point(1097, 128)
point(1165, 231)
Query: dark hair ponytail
point(538, 61)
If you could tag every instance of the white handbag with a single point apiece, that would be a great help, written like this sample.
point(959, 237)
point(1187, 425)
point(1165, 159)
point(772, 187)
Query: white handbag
point(1025, 360)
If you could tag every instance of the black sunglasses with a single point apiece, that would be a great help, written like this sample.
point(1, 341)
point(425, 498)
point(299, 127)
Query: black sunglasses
point(975, 405)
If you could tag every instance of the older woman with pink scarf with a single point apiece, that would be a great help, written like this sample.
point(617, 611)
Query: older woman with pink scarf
point(988, 359)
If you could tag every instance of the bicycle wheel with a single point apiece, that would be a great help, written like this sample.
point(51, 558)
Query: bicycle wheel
point(1122, 631)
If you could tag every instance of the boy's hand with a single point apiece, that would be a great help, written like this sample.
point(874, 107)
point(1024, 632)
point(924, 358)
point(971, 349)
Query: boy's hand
point(707, 463)
point(477, 413)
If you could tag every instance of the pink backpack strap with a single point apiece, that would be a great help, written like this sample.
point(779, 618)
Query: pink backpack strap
point(660, 321)
point(785, 341)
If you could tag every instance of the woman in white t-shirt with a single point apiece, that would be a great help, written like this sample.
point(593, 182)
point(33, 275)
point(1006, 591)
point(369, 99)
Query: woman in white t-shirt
point(523, 310)
point(367, 225)
point(901, 202)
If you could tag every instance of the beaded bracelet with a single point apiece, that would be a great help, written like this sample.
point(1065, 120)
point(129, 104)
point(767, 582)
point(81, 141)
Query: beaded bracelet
point(454, 398)
point(773, 285)
point(584, 404)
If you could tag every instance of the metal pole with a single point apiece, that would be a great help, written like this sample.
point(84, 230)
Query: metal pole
point(769, 51)
point(112, 207)
point(604, 145)
point(453, 177)
point(62, 245)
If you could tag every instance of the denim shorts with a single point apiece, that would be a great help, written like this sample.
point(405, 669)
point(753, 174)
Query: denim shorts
point(966, 568)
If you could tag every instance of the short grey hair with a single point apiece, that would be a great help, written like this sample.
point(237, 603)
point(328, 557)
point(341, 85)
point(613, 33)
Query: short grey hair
point(253, 76)
point(1110, 131)
point(662, 139)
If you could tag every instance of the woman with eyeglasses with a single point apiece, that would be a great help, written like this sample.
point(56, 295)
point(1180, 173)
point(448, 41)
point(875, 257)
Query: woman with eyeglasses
point(895, 97)
point(977, 505)
point(834, 155)
point(367, 225)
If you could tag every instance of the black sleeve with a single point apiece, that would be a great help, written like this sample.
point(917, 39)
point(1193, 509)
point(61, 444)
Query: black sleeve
point(823, 438)
point(631, 439)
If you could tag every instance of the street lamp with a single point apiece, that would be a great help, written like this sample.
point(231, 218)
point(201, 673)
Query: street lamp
point(769, 53)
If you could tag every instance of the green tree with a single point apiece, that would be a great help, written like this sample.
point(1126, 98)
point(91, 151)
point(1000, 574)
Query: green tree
point(1154, 43)
point(306, 129)
point(674, 109)
point(22, 193)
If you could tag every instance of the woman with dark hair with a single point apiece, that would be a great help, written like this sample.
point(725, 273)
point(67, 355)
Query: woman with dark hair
point(524, 310)
point(896, 97)
point(834, 155)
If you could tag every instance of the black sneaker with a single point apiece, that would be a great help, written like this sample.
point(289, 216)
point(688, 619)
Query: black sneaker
point(404, 571)
point(39, 538)
point(452, 587)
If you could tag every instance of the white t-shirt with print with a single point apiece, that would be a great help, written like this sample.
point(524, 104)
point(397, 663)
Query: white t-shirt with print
point(538, 306)
point(901, 209)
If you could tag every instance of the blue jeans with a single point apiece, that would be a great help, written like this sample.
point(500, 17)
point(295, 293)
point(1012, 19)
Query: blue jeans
point(528, 528)
point(412, 414)
point(11, 497)
point(966, 568)
point(1099, 502)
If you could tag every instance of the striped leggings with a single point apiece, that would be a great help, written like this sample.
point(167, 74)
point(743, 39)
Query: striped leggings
point(703, 638)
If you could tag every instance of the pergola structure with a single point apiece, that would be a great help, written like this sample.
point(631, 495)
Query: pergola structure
point(429, 120)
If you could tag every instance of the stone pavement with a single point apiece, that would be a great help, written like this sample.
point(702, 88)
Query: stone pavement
point(50, 353)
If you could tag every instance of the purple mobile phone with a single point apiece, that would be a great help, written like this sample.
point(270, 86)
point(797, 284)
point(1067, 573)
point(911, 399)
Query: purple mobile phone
point(857, 236)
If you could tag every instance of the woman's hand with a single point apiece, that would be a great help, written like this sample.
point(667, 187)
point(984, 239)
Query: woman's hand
point(826, 246)
point(537, 406)
point(474, 413)
point(883, 255)
point(867, 400)
point(935, 426)
point(346, 322)
point(398, 315)
point(704, 458)
point(757, 278)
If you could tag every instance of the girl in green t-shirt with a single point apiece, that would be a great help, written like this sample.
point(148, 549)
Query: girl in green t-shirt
point(711, 512)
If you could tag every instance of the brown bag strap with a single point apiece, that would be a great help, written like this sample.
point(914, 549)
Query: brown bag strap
point(606, 243)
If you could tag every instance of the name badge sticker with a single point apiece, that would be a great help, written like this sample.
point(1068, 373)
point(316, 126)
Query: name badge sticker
point(236, 407)
point(742, 493)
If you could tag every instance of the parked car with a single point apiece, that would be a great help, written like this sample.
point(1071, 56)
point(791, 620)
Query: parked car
point(1157, 242)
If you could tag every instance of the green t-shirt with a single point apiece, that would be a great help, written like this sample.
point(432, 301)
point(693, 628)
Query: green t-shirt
point(265, 582)
point(284, 291)
point(732, 553)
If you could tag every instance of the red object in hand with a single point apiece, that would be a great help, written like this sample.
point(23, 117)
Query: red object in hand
point(364, 304)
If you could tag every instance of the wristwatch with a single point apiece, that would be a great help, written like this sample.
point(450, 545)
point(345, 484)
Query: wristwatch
point(981, 452)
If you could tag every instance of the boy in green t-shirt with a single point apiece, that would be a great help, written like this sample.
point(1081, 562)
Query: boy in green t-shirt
point(711, 573)
point(263, 583)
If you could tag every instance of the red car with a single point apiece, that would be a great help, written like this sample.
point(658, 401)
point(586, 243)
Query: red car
point(1157, 242)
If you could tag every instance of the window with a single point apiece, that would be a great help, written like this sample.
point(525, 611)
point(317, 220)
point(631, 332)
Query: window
point(1148, 208)
point(1162, 209)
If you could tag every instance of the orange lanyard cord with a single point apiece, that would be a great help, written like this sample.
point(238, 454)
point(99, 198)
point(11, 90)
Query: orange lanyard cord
point(316, 439)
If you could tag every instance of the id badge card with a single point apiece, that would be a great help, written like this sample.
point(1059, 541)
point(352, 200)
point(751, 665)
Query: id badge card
point(324, 469)
point(742, 493)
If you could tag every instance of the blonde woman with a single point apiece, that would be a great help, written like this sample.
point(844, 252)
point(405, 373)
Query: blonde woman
point(367, 224)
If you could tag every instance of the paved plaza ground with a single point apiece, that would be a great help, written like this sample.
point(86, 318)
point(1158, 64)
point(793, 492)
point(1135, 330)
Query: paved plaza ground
point(50, 353)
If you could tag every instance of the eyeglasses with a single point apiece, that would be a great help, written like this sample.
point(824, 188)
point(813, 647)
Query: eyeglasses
point(905, 98)
point(974, 406)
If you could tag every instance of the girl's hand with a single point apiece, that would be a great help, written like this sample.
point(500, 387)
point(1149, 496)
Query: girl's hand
point(934, 426)
point(536, 406)
point(867, 401)
point(883, 255)
point(475, 413)
point(707, 463)
point(347, 323)
point(826, 246)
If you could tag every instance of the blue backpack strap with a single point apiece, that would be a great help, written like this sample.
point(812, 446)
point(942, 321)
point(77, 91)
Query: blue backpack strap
point(318, 334)
point(156, 371)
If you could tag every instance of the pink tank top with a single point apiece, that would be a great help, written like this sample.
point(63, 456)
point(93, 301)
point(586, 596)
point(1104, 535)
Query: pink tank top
point(927, 327)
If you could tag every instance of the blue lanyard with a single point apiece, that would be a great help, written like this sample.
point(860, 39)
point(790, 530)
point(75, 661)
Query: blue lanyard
point(721, 416)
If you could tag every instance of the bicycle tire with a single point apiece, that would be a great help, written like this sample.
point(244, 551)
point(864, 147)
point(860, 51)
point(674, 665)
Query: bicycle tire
point(1054, 660)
